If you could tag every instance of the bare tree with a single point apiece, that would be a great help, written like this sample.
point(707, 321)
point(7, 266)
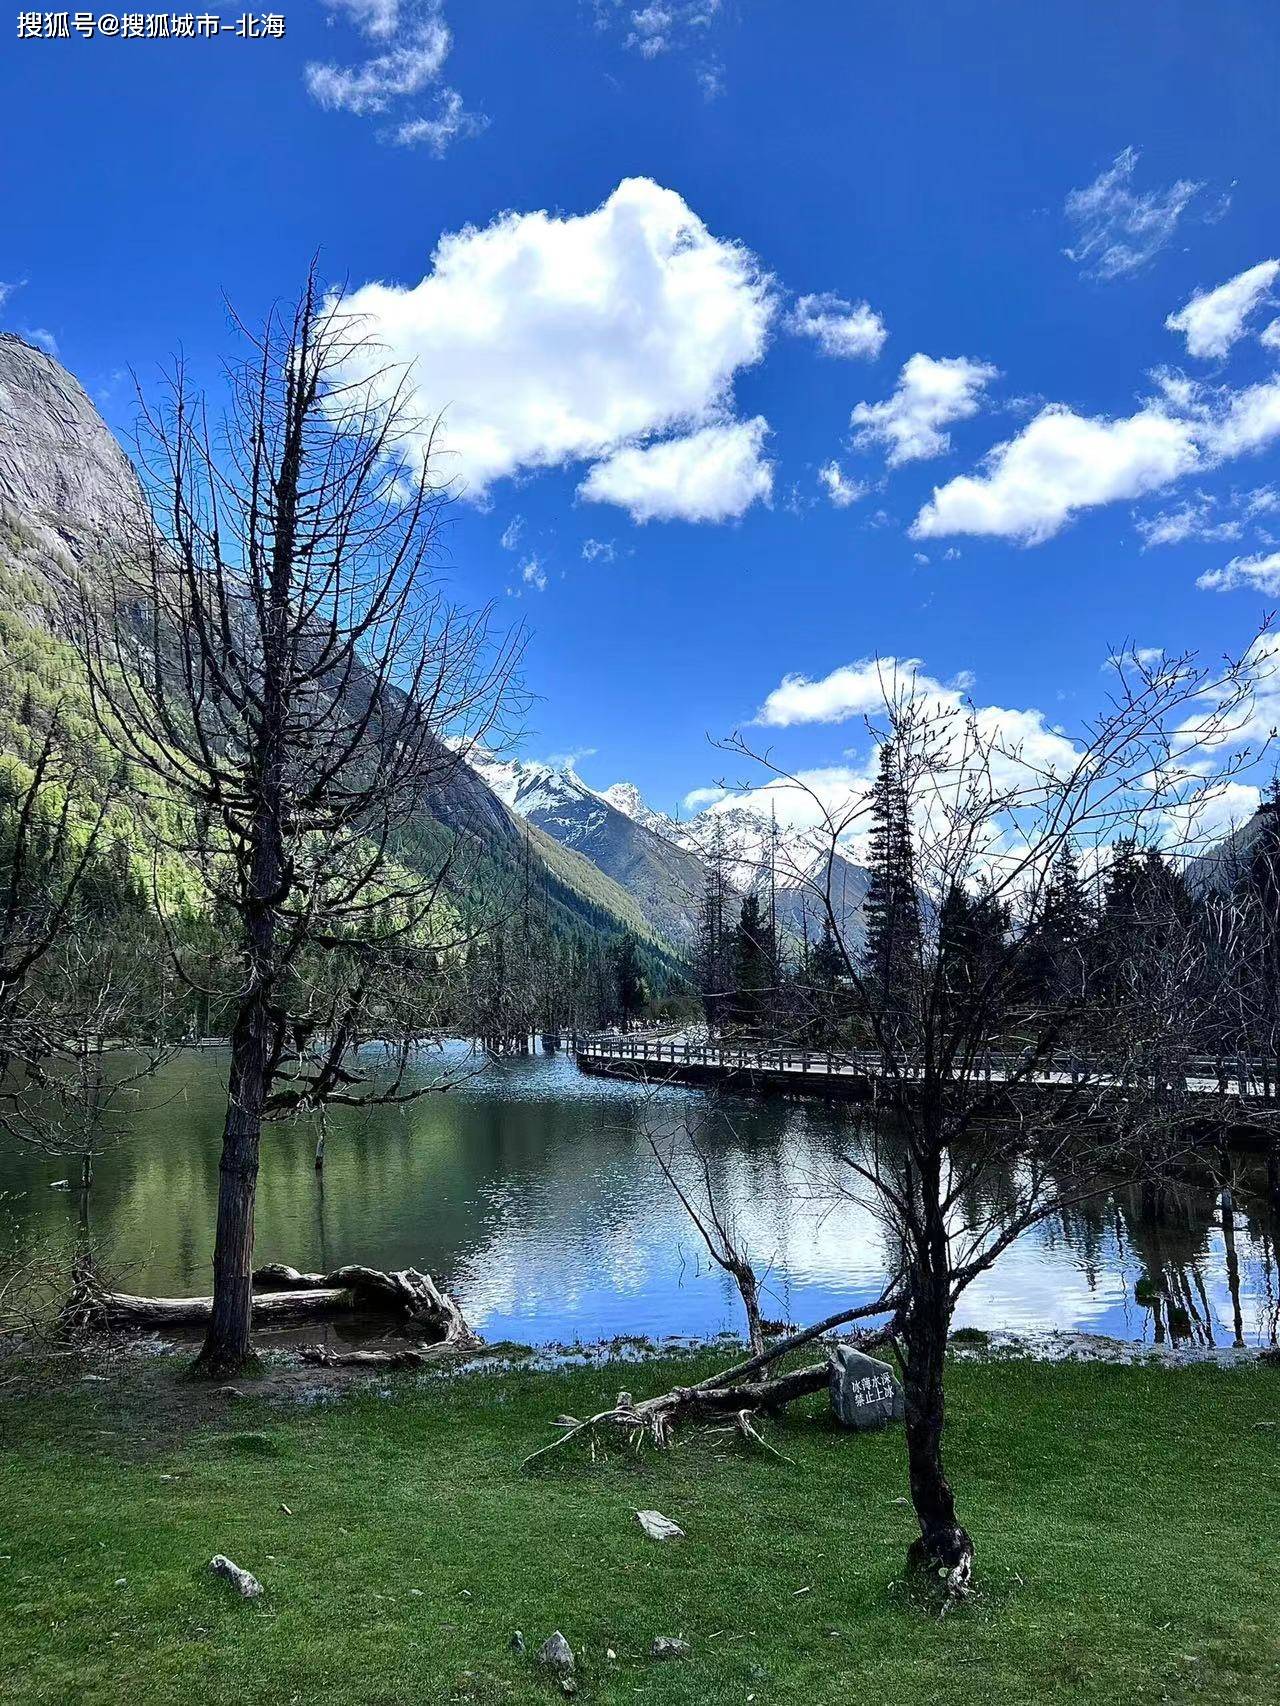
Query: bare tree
point(114, 1035)
point(684, 1160)
point(996, 1110)
point(289, 686)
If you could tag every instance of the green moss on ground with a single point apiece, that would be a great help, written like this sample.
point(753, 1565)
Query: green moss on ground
point(1126, 1520)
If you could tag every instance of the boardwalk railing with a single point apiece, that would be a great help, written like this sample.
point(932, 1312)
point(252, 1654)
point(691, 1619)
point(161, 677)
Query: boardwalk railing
point(650, 1051)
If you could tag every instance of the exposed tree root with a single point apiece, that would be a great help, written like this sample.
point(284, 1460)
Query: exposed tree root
point(945, 1555)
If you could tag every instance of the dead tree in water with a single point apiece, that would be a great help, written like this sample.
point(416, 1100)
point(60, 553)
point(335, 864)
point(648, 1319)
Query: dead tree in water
point(685, 1163)
point(284, 677)
point(969, 1146)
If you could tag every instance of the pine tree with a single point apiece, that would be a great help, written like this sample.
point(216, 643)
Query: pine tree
point(632, 991)
point(891, 959)
point(826, 971)
point(712, 960)
point(753, 968)
point(1059, 950)
point(972, 934)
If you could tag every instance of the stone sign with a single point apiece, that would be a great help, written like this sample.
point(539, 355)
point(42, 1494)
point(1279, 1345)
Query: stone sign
point(864, 1393)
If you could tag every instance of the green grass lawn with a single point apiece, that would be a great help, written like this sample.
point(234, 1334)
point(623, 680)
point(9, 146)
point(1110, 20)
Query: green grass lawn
point(1127, 1524)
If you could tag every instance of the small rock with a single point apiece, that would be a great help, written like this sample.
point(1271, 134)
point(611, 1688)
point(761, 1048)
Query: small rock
point(415, 1593)
point(230, 1392)
point(609, 1653)
point(659, 1527)
point(669, 1647)
point(122, 1581)
point(517, 1642)
point(556, 1653)
point(59, 1184)
point(246, 1585)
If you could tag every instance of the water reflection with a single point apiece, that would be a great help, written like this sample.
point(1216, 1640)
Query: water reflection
point(533, 1191)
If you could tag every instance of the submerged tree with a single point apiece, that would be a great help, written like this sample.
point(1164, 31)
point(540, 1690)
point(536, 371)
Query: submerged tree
point(281, 671)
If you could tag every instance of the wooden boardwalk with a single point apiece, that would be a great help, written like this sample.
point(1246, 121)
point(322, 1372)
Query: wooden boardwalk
point(665, 1058)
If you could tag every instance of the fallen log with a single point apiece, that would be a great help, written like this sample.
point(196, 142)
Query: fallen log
point(407, 1356)
point(281, 1295)
point(656, 1419)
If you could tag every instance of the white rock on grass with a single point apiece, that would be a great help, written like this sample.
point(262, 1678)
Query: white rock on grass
point(556, 1653)
point(669, 1647)
point(246, 1585)
point(659, 1527)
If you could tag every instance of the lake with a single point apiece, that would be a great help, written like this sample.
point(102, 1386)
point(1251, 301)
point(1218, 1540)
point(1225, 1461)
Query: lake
point(532, 1192)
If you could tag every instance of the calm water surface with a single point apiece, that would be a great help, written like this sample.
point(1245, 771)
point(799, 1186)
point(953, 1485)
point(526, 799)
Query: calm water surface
point(532, 1192)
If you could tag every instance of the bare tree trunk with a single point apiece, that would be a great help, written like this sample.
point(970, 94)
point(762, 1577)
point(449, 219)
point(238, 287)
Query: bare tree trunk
point(226, 1343)
point(748, 1285)
point(944, 1546)
point(1233, 1261)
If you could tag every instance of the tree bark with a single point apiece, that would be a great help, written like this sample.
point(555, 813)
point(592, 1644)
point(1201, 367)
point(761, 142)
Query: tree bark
point(944, 1547)
point(226, 1344)
point(745, 1276)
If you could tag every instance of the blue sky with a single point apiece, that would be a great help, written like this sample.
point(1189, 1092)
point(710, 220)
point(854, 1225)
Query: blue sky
point(699, 200)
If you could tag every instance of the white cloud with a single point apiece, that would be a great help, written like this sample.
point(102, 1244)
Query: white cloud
point(512, 532)
point(932, 393)
point(649, 32)
point(849, 329)
point(853, 690)
point(1261, 573)
point(413, 43)
point(1119, 229)
point(666, 26)
point(550, 339)
point(450, 121)
point(405, 69)
point(7, 289)
point(533, 574)
point(714, 474)
point(1058, 464)
point(1021, 746)
point(377, 19)
point(1243, 421)
point(598, 550)
point(711, 80)
point(841, 490)
point(1269, 336)
point(40, 335)
point(1190, 520)
point(1213, 319)
point(697, 798)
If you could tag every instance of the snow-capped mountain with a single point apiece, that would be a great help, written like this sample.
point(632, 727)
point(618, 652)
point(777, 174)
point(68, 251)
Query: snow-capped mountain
point(664, 878)
point(754, 853)
point(665, 862)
